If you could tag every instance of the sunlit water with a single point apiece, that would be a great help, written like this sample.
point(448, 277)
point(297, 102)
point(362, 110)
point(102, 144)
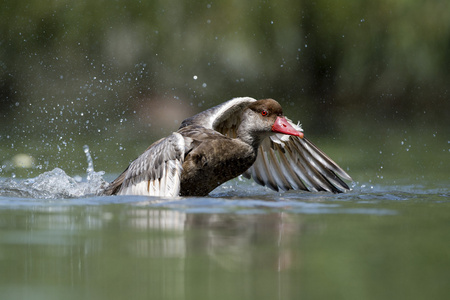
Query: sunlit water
point(59, 240)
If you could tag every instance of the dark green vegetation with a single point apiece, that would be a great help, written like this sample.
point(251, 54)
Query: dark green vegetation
point(118, 74)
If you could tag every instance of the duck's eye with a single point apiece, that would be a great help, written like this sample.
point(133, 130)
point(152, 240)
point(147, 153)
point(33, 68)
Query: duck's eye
point(264, 113)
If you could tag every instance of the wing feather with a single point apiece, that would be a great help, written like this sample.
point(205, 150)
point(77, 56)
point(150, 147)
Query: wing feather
point(224, 118)
point(324, 159)
point(313, 171)
point(265, 173)
point(156, 172)
point(289, 162)
point(323, 164)
point(291, 176)
point(280, 180)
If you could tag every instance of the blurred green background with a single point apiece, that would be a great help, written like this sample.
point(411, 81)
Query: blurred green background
point(369, 80)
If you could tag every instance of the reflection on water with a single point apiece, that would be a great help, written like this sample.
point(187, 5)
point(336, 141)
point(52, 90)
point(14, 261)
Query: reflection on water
point(84, 249)
point(172, 245)
point(229, 246)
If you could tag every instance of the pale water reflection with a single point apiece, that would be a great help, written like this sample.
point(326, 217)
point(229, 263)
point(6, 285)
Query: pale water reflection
point(113, 251)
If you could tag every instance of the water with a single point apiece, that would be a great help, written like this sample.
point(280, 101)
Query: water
point(58, 240)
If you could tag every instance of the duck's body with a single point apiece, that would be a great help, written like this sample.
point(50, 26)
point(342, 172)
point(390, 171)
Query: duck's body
point(240, 136)
point(210, 163)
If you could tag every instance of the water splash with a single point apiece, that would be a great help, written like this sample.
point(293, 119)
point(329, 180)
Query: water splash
point(90, 162)
point(56, 184)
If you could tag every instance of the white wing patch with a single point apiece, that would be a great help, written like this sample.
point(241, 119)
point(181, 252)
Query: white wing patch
point(157, 171)
point(223, 117)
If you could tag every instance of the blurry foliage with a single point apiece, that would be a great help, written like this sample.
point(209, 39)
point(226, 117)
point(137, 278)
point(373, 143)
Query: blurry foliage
point(97, 70)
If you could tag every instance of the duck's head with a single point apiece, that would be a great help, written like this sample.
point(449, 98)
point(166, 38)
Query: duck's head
point(268, 116)
point(263, 118)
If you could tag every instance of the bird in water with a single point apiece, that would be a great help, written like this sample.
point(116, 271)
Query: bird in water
point(242, 136)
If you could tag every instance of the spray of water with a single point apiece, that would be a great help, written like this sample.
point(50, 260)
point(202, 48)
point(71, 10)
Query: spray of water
point(56, 184)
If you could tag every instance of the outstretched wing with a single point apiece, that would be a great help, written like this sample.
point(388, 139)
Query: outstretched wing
point(290, 162)
point(223, 117)
point(156, 172)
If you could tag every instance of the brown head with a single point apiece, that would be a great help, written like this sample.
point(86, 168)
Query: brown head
point(262, 119)
point(270, 114)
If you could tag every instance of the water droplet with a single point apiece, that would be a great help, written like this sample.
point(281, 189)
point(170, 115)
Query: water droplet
point(195, 77)
point(90, 162)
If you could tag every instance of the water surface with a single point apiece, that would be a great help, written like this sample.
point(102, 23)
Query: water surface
point(242, 242)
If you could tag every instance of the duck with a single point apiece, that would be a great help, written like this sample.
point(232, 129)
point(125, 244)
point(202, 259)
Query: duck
point(242, 136)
